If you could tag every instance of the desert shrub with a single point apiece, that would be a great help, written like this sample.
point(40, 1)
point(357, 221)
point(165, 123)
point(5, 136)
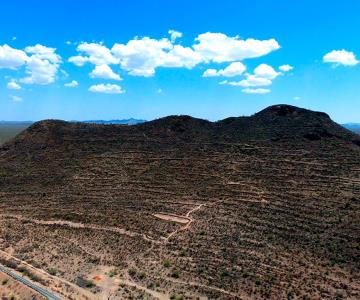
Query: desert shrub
point(167, 263)
point(113, 273)
point(9, 263)
point(142, 275)
point(84, 283)
point(52, 271)
point(225, 273)
point(5, 281)
point(132, 272)
point(176, 297)
point(175, 273)
point(258, 281)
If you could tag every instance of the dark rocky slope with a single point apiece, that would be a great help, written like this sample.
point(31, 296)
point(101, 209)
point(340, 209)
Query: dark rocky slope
point(279, 193)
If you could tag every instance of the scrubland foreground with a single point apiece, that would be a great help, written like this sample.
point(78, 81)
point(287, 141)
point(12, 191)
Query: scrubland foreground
point(260, 207)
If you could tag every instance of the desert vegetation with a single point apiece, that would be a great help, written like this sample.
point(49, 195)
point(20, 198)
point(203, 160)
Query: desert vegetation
point(261, 207)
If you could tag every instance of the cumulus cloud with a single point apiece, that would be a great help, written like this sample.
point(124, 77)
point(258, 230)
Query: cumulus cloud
point(174, 35)
point(16, 98)
point(141, 57)
point(11, 58)
point(94, 53)
point(250, 81)
point(78, 60)
point(265, 71)
point(71, 84)
point(286, 68)
point(218, 47)
point(13, 85)
point(106, 89)
point(263, 75)
point(234, 69)
point(42, 65)
point(210, 73)
point(256, 91)
point(41, 62)
point(341, 57)
point(104, 72)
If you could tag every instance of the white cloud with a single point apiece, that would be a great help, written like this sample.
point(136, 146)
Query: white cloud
point(71, 84)
point(218, 47)
point(44, 52)
point(256, 91)
point(234, 69)
point(16, 98)
point(78, 60)
point(174, 35)
point(41, 62)
point(286, 68)
point(262, 76)
point(12, 85)
point(296, 98)
point(104, 72)
point(210, 73)
point(106, 89)
point(341, 57)
point(42, 65)
point(265, 71)
point(140, 57)
point(96, 54)
point(250, 81)
point(11, 58)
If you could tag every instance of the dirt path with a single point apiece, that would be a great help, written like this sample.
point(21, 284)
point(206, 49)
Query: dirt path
point(192, 283)
point(82, 226)
point(153, 293)
point(172, 217)
point(188, 224)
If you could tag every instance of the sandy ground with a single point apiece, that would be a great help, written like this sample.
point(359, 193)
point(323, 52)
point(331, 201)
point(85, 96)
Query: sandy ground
point(173, 218)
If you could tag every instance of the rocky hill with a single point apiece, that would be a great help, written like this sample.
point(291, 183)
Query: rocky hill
point(260, 207)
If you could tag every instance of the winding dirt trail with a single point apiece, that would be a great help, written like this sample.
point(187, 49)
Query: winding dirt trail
point(83, 226)
point(188, 224)
point(186, 220)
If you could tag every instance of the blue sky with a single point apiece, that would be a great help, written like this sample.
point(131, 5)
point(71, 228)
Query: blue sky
point(222, 58)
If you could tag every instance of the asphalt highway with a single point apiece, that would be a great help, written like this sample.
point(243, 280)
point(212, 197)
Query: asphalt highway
point(28, 283)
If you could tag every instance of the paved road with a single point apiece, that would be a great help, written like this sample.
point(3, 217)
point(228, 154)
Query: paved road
point(28, 283)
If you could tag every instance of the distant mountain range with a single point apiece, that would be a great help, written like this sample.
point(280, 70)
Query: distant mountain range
point(130, 121)
point(355, 127)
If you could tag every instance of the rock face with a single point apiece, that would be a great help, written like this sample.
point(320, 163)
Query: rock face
point(273, 203)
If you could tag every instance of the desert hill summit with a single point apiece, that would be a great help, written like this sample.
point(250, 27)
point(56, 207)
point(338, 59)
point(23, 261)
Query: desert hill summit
point(278, 122)
point(259, 207)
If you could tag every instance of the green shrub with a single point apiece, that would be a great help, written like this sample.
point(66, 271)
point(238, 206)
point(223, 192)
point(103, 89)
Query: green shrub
point(176, 297)
point(142, 275)
point(84, 283)
point(167, 263)
point(52, 271)
point(175, 274)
